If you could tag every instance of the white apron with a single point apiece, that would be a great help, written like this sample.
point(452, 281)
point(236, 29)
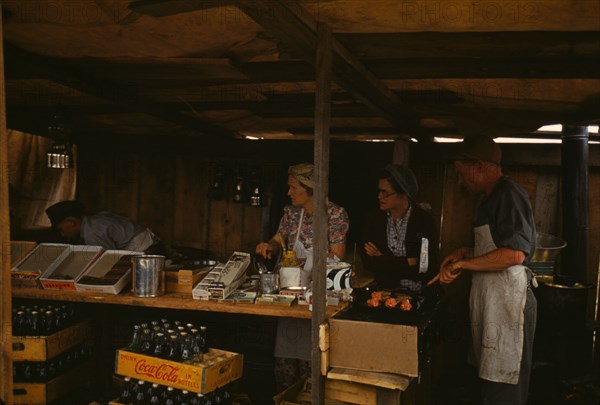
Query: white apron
point(293, 339)
point(303, 253)
point(496, 307)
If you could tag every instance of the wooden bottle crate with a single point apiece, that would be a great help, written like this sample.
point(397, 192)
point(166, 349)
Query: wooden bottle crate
point(217, 370)
point(42, 348)
point(58, 387)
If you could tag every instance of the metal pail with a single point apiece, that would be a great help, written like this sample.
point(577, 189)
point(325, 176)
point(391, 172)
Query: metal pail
point(148, 275)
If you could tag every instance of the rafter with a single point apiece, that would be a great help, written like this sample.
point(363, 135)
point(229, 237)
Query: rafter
point(52, 69)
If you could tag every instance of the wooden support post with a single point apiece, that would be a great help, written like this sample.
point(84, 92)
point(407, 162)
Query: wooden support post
point(401, 152)
point(5, 301)
point(320, 242)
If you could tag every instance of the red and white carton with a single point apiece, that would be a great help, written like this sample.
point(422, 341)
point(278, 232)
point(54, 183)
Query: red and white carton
point(27, 271)
point(70, 265)
point(101, 267)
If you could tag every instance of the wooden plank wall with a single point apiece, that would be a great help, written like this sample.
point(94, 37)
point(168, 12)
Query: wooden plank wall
point(165, 186)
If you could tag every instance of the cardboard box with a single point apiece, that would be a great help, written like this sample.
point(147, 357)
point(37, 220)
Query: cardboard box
point(217, 370)
point(184, 281)
point(101, 267)
point(53, 390)
point(42, 348)
point(373, 346)
point(19, 249)
point(27, 272)
point(72, 263)
point(223, 280)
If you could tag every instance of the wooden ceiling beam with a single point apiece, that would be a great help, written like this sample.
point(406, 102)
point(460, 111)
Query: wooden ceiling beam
point(163, 8)
point(289, 22)
point(295, 27)
point(123, 96)
point(469, 44)
point(551, 67)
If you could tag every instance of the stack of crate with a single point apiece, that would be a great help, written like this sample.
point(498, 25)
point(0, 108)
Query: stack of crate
point(47, 368)
point(188, 371)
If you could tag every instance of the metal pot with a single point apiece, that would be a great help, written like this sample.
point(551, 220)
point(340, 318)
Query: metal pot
point(148, 275)
point(561, 335)
point(547, 249)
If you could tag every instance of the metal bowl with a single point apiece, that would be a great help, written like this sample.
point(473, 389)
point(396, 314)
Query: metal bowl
point(548, 247)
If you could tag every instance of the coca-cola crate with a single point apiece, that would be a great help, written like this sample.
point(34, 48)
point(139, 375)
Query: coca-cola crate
point(42, 348)
point(219, 368)
point(59, 387)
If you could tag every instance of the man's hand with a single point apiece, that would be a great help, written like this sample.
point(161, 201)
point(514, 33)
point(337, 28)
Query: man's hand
point(371, 249)
point(451, 267)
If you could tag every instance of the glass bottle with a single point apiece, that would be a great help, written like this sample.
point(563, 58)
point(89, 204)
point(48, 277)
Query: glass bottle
point(160, 348)
point(19, 327)
point(186, 348)
point(27, 373)
point(147, 346)
point(126, 396)
point(173, 349)
point(57, 318)
point(204, 339)
point(34, 323)
point(227, 398)
point(140, 396)
point(49, 322)
point(196, 399)
point(184, 398)
point(136, 341)
point(197, 355)
point(151, 391)
point(170, 396)
point(164, 395)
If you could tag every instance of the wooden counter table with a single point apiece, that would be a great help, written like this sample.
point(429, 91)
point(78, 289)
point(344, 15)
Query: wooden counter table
point(182, 301)
point(173, 301)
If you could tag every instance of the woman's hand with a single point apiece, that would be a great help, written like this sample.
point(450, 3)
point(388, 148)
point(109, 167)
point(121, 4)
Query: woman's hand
point(371, 249)
point(265, 249)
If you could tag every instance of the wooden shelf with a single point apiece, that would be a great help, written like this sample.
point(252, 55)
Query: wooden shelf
point(172, 301)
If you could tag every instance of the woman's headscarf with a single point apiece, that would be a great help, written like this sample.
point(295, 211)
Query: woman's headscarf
point(304, 173)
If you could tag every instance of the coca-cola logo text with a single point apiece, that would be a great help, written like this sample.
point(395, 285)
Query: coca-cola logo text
point(164, 372)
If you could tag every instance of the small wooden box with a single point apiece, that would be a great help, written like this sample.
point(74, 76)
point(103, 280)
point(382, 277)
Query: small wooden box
point(44, 393)
point(217, 370)
point(184, 281)
point(42, 348)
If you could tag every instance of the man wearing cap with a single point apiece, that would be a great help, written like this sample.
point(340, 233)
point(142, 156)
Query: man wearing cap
point(395, 235)
point(106, 229)
point(502, 306)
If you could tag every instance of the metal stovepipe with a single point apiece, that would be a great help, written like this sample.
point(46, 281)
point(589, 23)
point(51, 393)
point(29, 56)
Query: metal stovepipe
point(575, 158)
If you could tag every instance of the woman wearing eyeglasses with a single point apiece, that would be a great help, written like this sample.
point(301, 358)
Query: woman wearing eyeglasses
point(400, 242)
